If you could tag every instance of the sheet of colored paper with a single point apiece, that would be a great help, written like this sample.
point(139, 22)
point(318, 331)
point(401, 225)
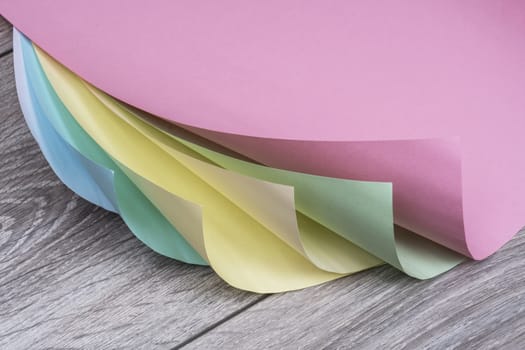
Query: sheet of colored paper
point(65, 161)
point(83, 166)
point(425, 95)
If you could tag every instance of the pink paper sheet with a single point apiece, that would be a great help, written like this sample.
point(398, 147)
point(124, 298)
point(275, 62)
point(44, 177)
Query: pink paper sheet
point(425, 94)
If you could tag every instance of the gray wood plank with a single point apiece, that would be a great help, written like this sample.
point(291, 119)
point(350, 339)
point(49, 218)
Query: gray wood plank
point(478, 305)
point(72, 275)
point(6, 33)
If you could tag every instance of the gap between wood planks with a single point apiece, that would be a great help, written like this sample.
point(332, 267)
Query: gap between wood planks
point(218, 323)
point(5, 53)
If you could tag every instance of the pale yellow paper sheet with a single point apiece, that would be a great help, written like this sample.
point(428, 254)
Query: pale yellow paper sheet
point(271, 204)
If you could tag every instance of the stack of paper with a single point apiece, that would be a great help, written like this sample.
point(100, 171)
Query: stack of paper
point(285, 143)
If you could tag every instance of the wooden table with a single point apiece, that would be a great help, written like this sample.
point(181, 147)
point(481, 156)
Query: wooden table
point(73, 276)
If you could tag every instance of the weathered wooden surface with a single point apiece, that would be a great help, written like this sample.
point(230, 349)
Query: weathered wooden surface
point(5, 36)
point(73, 276)
point(479, 305)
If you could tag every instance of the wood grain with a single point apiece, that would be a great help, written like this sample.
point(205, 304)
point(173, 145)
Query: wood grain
point(479, 305)
point(6, 33)
point(72, 275)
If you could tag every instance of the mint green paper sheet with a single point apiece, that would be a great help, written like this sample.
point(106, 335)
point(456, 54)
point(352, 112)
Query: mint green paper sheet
point(359, 211)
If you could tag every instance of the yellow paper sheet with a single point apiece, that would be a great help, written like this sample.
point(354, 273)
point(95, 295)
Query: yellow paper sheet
point(271, 204)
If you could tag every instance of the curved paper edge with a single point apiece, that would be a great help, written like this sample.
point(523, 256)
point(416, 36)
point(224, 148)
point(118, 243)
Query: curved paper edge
point(270, 203)
point(343, 206)
point(62, 158)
